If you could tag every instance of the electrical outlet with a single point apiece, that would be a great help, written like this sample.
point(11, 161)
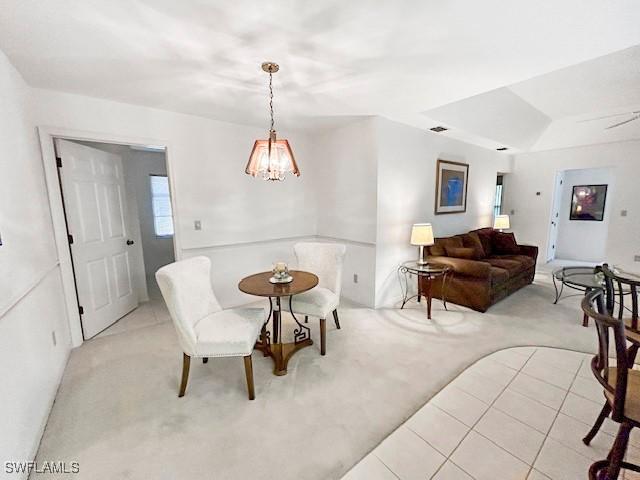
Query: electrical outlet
point(623, 213)
point(355, 278)
point(53, 338)
point(636, 258)
point(197, 225)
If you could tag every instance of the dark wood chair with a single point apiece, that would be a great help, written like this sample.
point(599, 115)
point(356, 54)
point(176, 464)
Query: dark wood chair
point(621, 291)
point(621, 386)
point(616, 288)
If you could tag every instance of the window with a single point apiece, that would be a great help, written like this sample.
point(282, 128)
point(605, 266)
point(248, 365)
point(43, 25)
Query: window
point(161, 206)
point(497, 206)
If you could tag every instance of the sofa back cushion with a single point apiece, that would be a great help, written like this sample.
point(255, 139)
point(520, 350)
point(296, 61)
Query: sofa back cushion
point(505, 244)
point(461, 252)
point(439, 248)
point(486, 238)
point(472, 240)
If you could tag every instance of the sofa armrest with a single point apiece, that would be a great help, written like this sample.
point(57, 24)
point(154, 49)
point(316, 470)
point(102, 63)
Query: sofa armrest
point(461, 266)
point(529, 251)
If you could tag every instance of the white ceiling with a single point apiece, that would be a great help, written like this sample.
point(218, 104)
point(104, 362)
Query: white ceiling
point(555, 110)
point(337, 58)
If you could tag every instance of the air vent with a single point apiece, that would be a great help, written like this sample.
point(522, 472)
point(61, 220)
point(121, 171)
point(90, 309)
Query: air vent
point(439, 129)
point(502, 149)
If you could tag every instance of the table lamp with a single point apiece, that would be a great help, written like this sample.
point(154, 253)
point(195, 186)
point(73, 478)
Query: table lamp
point(501, 222)
point(422, 236)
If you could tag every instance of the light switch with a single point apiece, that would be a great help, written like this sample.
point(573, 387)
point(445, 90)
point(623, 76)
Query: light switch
point(197, 225)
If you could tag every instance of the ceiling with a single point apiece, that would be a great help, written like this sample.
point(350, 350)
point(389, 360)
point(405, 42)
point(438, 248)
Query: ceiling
point(338, 59)
point(559, 109)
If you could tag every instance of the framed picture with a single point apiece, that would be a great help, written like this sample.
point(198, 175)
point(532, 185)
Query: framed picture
point(587, 202)
point(451, 187)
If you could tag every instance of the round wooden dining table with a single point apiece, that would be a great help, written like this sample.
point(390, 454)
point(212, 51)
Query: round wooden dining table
point(271, 344)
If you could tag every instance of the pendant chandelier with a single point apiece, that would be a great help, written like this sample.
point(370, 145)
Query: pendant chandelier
point(271, 159)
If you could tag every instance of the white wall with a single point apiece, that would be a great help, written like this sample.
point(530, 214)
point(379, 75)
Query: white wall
point(31, 304)
point(138, 166)
point(535, 172)
point(207, 159)
point(406, 195)
point(345, 175)
point(584, 240)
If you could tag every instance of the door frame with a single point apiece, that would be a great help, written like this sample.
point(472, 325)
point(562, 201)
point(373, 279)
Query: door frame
point(47, 136)
point(556, 201)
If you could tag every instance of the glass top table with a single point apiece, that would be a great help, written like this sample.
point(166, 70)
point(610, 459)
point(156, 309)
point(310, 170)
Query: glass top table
point(428, 272)
point(582, 279)
point(579, 277)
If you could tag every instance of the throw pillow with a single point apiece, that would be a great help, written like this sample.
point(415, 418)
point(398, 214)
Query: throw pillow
point(486, 238)
point(472, 240)
point(505, 243)
point(461, 252)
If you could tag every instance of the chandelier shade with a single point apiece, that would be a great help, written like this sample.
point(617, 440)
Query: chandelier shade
point(271, 159)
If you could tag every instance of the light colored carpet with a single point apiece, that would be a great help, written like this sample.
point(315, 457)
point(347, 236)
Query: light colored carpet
point(117, 411)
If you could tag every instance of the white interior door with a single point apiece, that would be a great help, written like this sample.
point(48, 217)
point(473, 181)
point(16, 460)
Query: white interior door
point(555, 217)
point(95, 205)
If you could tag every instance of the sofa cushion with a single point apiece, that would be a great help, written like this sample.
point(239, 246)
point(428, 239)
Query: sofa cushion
point(527, 261)
point(505, 244)
point(461, 252)
point(498, 276)
point(472, 240)
point(512, 266)
point(440, 245)
point(437, 249)
point(486, 238)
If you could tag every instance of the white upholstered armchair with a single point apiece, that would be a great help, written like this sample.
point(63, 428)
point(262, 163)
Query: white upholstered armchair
point(325, 260)
point(204, 328)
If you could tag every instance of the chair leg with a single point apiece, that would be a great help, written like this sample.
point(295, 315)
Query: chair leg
point(186, 363)
point(618, 451)
point(248, 370)
point(335, 319)
point(205, 360)
point(323, 336)
point(632, 352)
point(604, 413)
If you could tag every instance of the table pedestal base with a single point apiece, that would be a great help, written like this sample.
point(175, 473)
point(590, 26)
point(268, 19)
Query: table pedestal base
point(282, 352)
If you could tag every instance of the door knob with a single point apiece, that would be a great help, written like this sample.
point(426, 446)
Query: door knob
point(130, 242)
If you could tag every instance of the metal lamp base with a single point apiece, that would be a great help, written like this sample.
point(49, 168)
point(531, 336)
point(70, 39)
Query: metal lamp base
point(421, 260)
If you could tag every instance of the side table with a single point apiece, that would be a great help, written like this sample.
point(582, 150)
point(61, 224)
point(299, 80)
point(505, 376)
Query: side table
point(430, 272)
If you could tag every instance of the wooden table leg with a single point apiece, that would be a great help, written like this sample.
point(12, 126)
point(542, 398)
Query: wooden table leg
point(429, 296)
point(419, 290)
point(281, 352)
point(585, 317)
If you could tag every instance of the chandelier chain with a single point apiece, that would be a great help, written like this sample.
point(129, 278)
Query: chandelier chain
point(271, 97)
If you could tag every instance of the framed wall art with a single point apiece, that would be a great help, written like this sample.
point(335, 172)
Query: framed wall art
point(588, 202)
point(452, 179)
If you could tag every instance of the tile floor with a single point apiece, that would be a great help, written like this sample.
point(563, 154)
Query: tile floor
point(519, 413)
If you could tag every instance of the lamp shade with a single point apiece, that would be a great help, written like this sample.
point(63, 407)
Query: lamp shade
point(501, 222)
point(422, 234)
point(272, 159)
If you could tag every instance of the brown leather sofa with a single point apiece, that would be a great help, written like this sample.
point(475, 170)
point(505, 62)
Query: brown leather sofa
point(487, 266)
